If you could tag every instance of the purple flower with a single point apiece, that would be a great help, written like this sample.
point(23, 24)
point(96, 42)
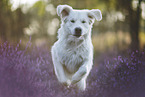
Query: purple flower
point(29, 73)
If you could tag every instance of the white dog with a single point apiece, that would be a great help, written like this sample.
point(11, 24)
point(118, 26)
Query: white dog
point(72, 54)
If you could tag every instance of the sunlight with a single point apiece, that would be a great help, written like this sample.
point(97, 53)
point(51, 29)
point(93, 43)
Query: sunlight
point(143, 10)
point(52, 26)
point(17, 3)
point(50, 8)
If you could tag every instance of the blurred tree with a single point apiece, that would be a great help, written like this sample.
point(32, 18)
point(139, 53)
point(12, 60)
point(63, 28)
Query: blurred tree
point(4, 20)
point(132, 17)
point(11, 22)
point(134, 21)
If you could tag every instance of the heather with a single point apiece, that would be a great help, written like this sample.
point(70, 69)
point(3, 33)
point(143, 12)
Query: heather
point(29, 72)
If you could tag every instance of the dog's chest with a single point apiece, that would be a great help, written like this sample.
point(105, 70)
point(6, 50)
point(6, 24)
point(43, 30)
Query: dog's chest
point(72, 59)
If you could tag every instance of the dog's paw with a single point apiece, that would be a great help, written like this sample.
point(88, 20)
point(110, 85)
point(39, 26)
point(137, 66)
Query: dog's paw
point(66, 83)
point(82, 85)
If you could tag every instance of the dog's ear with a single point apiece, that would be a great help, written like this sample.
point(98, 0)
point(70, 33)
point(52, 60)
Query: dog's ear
point(63, 10)
point(95, 13)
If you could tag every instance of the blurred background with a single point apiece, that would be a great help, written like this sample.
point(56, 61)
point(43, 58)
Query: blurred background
point(122, 26)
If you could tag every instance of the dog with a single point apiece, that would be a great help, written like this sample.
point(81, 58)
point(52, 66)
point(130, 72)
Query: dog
point(72, 53)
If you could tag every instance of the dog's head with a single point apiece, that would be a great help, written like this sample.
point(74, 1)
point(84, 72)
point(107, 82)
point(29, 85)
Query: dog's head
point(78, 23)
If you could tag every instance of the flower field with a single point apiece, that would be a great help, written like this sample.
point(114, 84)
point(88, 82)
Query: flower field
point(29, 73)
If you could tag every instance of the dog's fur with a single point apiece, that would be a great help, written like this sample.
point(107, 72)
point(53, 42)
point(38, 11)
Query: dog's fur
point(72, 54)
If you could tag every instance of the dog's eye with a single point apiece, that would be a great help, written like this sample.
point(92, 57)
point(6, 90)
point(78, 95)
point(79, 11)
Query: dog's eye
point(72, 21)
point(83, 21)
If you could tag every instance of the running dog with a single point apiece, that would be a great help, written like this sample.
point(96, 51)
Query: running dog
point(72, 53)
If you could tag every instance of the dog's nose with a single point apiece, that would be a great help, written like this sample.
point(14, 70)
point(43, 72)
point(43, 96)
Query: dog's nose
point(78, 32)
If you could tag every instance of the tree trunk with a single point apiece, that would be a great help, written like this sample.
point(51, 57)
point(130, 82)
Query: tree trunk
point(134, 23)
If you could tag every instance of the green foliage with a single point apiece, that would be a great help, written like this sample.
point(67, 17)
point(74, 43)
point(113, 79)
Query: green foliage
point(40, 6)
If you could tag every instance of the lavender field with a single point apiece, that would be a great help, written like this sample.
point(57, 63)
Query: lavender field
point(29, 73)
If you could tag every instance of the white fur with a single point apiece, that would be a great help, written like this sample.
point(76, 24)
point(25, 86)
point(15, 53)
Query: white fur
point(73, 56)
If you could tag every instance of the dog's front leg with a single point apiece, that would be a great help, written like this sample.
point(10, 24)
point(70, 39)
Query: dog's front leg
point(82, 72)
point(60, 74)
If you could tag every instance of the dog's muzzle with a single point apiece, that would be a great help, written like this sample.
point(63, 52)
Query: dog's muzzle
point(78, 32)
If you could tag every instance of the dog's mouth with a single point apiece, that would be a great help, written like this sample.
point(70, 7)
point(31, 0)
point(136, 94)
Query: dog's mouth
point(77, 36)
point(74, 36)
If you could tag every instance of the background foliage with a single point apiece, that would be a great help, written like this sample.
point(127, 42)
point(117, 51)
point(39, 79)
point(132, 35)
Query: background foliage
point(122, 25)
